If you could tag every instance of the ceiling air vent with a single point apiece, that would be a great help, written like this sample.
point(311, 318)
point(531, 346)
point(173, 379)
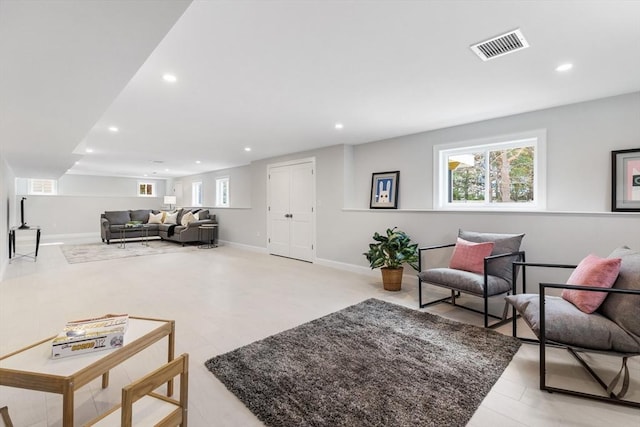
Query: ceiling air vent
point(500, 45)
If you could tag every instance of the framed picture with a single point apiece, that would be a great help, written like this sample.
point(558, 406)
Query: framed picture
point(625, 180)
point(384, 190)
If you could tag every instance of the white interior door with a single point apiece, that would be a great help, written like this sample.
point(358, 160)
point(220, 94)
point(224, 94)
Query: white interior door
point(291, 207)
point(278, 211)
point(301, 212)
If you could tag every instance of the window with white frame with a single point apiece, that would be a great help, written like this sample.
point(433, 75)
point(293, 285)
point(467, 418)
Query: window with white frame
point(222, 192)
point(146, 189)
point(196, 193)
point(500, 173)
point(43, 186)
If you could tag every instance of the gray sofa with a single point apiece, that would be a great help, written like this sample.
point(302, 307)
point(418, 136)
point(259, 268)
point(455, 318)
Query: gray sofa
point(111, 222)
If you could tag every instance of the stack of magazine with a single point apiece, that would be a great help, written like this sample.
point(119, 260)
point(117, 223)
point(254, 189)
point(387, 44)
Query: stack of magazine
point(89, 335)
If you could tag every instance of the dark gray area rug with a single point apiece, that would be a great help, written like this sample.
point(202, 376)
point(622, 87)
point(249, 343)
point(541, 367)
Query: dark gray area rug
point(371, 364)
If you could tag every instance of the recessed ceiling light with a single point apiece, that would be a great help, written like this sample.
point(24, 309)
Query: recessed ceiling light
point(564, 67)
point(198, 162)
point(166, 170)
point(113, 129)
point(89, 150)
point(339, 126)
point(77, 162)
point(146, 174)
point(169, 78)
point(247, 149)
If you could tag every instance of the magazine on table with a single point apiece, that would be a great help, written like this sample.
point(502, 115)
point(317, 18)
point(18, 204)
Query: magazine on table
point(89, 335)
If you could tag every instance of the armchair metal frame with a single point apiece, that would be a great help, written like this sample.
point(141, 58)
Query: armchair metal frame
point(456, 293)
point(615, 398)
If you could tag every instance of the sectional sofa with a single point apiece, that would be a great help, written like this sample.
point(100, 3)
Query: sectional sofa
point(184, 230)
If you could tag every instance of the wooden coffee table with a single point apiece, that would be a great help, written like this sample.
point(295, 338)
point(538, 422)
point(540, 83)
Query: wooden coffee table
point(33, 368)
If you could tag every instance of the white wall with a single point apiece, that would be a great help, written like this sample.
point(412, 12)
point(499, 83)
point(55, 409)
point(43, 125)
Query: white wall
point(580, 138)
point(90, 185)
point(63, 216)
point(80, 201)
point(7, 209)
point(239, 185)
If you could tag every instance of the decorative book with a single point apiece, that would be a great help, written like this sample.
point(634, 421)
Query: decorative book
point(89, 335)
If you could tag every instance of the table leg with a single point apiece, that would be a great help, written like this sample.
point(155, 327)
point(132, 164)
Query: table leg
point(105, 380)
point(10, 232)
point(67, 405)
point(122, 243)
point(171, 354)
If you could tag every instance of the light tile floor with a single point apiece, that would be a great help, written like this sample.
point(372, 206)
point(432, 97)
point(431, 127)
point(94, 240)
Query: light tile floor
point(224, 298)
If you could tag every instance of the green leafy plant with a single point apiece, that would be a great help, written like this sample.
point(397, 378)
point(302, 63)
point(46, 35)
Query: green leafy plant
point(392, 250)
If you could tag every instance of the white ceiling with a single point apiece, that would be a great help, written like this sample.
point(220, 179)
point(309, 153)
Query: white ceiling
point(277, 75)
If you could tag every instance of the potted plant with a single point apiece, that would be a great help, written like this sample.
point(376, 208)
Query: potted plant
point(389, 253)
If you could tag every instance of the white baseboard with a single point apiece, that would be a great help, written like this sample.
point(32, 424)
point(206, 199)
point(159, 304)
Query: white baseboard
point(359, 269)
point(243, 246)
point(346, 267)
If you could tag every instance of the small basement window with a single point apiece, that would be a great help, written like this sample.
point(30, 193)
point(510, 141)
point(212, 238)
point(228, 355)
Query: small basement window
point(43, 187)
point(500, 173)
point(222, 192)
point(146, 189)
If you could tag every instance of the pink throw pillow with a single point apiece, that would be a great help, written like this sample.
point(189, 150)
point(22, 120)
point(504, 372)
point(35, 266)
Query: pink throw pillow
point(469, 256)
point(592, 271)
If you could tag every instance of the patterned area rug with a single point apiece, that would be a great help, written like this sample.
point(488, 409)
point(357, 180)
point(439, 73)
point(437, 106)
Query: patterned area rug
point(101, 251)
point(371, 364)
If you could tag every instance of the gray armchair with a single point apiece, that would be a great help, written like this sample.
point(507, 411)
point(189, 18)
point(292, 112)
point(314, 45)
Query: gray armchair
point(613, 329)
point(496, 277)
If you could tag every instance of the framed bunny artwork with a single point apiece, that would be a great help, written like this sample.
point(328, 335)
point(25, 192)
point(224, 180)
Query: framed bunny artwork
point(384, 190)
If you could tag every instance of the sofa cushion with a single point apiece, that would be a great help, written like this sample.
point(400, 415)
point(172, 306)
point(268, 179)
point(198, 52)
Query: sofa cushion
point(187, 218)
point(165, 227)
point(117, 217)
point(156, 218)
point(203, 214)
point(623, 309)
point(592, 271)
point(565, 324)
point(465, 281)
point(153, 229)
point(181, 212)
point(503, 244)
point(140, 215)
point(170, 218)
